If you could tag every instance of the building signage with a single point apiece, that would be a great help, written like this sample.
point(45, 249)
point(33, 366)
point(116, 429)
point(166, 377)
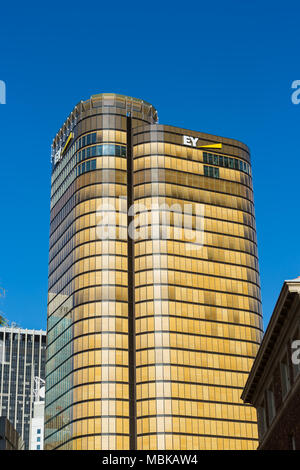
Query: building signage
point(60, 152)
point(193, 141)
point(188, 140)
point(57, 156)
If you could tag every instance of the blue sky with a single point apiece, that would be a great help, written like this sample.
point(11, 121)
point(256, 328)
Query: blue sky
point(224, 68)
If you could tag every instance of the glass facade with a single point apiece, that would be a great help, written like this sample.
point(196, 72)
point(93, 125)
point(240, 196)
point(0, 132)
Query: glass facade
point(22, 358)
point(151, 332)
point(198, 312)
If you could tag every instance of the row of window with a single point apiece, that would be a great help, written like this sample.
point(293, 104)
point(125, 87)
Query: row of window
point(65, 260)
point(181, 178)
point(86, 140)
point(64, 180)
point(93, 268)
point(101, 150)
point(104, 136)
point(237, 223)
point(190, 312)
point(174, 238)
point(214, 226)
point(226, 162)
point(172, 190)
point(156, 441)
point(211, 171)
point(86, 166)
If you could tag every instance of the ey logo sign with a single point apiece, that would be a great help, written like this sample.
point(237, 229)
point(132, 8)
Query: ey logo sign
point(2, 92)
point(193, 142)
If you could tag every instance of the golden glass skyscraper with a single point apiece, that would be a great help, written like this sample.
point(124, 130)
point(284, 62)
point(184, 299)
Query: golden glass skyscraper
point(154, 312)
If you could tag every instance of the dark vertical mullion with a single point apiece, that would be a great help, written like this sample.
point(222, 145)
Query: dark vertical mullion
point(131, 313)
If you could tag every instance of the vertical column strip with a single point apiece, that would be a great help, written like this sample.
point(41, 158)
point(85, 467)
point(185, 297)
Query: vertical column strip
point(131, 313)
point(32, 375)
point(24, 383)
point(9, 373)
point(2, 369)
point(17, 381)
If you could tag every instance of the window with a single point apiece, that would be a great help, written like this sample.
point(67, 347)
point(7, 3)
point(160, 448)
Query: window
point(38, 431)
point(270, 404)
point(285, 377)
point(211, 171)
point(262, 419)
point(86, 166)
point(38, 447)
point(292, 442)
point(38, 439)
point(101, 150)
point(227, 162)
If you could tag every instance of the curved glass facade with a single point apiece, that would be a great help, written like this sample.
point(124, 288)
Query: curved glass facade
point(87, 399)
point(151, 335)
point(198, 309)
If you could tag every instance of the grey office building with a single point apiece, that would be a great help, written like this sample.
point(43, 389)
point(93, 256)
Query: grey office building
point(22, 358)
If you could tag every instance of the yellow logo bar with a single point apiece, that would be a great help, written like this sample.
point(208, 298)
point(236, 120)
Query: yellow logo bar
point(211, 146)
point(71, 135)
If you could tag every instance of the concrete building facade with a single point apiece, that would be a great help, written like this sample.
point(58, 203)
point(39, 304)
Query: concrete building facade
point(273, 386)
